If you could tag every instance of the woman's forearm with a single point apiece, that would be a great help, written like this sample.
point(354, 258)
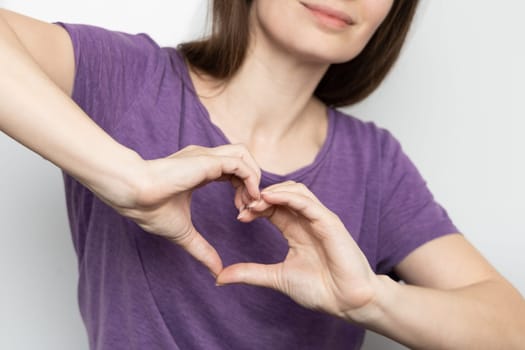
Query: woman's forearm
point(473, 317)
point(38, 114)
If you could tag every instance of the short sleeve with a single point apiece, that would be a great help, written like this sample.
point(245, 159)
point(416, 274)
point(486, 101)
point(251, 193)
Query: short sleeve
point(111, 70)
point(409, 215)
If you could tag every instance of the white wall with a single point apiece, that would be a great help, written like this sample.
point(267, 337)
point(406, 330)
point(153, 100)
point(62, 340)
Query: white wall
point(452, 101)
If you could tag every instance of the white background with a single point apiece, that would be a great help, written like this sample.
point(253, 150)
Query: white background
point(455, 100)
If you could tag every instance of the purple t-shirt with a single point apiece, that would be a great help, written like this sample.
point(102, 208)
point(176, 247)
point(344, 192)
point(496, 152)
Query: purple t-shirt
point(138, 291)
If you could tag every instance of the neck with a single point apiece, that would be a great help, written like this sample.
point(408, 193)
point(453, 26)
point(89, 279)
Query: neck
point(270, 97)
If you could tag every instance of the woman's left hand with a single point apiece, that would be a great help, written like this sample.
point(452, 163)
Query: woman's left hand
point(324, 268)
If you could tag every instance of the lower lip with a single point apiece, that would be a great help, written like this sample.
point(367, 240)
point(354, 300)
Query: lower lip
point(327, 20)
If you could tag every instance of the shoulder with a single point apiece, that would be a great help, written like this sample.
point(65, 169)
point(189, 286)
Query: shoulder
point(113, 53)
point(120, 58)
point(116, 71)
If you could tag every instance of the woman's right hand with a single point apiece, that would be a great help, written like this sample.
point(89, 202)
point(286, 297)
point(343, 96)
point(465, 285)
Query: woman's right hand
point(162, 204)
point(156, 194)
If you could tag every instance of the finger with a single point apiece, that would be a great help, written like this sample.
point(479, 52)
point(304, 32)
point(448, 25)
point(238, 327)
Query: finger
point(326, 222)
point(255, 209)
point(241, 151)
point(203, 155)
point(238, 185)
point(217, 166)
point(233, 150)
point(251, 273)
point(242, 198)
point(292, 186)
point(299, 203)
point(200, 249)
point(239, 203)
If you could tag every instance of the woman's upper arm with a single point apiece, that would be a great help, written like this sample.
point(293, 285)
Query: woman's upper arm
point(447, 262)
point(48, 44)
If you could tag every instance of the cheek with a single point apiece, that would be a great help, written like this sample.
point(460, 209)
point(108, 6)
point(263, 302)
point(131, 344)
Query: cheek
point(371, 15)
point(283, 26)
point(375, 11)
point(275, 18)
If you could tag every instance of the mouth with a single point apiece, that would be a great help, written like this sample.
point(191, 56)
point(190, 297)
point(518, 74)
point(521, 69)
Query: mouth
point(329, 15)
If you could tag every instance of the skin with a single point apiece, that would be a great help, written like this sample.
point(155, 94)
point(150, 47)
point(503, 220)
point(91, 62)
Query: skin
point(155, 194)
point(324, 270)
point(288, 55)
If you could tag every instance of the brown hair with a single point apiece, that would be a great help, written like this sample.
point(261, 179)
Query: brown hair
point(222, 53)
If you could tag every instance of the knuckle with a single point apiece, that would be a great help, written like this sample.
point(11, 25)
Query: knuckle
point(202, 158)
point(185, 237)
point(190, 150)
point(241, 150)
point(241, 147)
point(299, 186)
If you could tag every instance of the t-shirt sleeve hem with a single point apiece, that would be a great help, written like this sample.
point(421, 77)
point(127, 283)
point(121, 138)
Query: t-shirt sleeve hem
point(404, 249)
point(75, 42)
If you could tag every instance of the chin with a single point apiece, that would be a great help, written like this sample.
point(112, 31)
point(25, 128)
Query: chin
point(319, 49)
point(324, 55)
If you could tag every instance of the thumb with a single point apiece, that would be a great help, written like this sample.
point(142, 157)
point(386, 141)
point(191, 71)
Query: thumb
point(200, 249)
point(251, 273)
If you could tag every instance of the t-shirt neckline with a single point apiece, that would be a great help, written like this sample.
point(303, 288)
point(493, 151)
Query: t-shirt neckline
point(266, 176)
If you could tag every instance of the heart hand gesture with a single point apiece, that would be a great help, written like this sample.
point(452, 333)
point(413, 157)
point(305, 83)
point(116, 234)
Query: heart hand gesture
point(324, 268)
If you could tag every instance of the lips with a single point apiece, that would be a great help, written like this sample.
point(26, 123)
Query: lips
point(328, 12)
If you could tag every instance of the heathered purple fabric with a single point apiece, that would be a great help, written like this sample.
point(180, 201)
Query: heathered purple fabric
point(137, 291)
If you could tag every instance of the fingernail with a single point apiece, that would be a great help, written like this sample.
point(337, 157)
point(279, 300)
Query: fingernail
point(241, 214)
point(252, 204)
point(217, 284)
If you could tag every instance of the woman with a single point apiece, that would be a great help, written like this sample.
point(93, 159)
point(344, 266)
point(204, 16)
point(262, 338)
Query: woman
point(361, 212)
